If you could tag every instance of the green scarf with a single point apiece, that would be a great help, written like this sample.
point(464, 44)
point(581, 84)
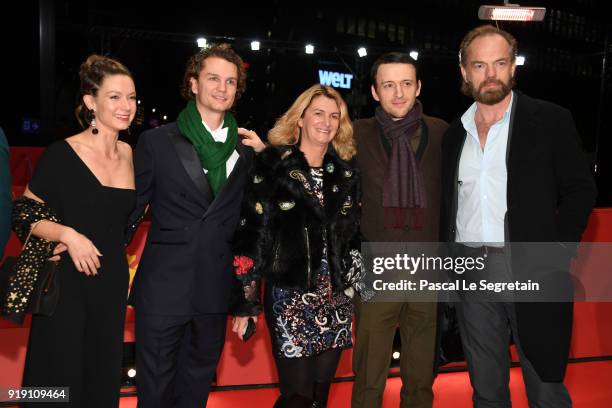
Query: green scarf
point(213, 155)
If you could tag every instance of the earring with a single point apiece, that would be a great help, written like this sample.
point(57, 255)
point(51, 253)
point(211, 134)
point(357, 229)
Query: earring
point(94, 130)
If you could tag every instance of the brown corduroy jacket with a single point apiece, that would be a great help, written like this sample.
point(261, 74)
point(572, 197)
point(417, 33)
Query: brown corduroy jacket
point(372, 160)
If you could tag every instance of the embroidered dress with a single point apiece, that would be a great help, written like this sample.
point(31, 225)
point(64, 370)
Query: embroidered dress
point(305, 324)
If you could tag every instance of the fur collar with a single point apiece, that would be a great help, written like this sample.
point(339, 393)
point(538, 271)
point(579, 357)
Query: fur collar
point(288, 168)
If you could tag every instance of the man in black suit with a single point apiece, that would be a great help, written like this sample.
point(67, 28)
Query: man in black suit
point(513, 171)
point(192, 174)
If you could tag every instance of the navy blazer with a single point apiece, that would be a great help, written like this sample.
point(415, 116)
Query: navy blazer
point(186, 265)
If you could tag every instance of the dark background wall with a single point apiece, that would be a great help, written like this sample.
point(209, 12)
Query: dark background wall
point(564, 55)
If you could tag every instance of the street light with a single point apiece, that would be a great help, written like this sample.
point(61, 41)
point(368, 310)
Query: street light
point(309, 49)
point(202, 42)
point(362, 52)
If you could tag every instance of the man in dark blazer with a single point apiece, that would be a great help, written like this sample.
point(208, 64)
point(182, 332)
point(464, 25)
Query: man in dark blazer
point(191, 174)
point(513, 171)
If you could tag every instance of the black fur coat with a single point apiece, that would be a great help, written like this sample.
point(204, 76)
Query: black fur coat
point(282, 224)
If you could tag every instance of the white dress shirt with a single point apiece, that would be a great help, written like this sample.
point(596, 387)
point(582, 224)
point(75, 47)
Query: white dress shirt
point(482, 182)
point(220, 135)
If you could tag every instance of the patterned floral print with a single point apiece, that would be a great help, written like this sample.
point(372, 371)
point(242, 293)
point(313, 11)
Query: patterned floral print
point(309, 323)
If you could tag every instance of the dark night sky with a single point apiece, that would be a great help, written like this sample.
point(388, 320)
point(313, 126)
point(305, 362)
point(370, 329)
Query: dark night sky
point(157, 40)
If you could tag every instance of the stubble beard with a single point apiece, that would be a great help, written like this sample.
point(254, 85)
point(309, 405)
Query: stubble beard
point(491, 96)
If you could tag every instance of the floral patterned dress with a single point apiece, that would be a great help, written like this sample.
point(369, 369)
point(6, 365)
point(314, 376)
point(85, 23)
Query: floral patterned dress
point(305, 324)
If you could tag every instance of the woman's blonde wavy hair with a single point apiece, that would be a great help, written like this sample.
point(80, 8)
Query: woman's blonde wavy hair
point(287, 132)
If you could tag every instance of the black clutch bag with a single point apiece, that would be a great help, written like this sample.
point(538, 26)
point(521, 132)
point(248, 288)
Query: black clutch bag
point(250, 330)
point(22, 295)
point(45, 292)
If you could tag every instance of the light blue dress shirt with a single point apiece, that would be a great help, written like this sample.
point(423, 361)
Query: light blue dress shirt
point(482, 182)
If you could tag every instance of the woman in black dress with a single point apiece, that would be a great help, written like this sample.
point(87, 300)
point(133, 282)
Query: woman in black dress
point(299, 233)
point(88, 180)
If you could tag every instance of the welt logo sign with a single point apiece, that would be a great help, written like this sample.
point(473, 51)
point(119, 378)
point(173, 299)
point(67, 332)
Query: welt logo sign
point(335, 79)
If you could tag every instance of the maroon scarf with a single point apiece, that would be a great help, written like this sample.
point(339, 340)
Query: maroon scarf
point(404, 196)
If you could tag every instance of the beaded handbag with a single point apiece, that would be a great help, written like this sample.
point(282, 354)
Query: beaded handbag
point(15, 272)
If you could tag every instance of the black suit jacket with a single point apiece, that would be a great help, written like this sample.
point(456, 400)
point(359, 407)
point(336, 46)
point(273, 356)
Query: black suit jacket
point(186, 265)
point(550, 194)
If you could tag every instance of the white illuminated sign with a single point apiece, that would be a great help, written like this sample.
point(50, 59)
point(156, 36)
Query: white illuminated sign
point(335, 79)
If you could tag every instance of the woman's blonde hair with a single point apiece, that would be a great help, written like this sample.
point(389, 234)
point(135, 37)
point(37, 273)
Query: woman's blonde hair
point(287, 132)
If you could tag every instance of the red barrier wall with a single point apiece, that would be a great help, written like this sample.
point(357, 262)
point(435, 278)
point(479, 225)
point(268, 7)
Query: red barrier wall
point(22, 163)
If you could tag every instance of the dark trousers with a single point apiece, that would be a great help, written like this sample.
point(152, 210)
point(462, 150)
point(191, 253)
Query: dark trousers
point(485, 333)
point(376, 325)
point(176, 358)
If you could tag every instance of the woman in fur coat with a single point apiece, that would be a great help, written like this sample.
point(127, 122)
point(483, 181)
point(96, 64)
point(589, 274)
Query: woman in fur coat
point(299, 233)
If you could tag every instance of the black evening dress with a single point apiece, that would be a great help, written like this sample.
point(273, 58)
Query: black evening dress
point(81, 345)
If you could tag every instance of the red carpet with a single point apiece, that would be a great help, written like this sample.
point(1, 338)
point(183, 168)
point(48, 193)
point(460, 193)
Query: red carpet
point(588, 383)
